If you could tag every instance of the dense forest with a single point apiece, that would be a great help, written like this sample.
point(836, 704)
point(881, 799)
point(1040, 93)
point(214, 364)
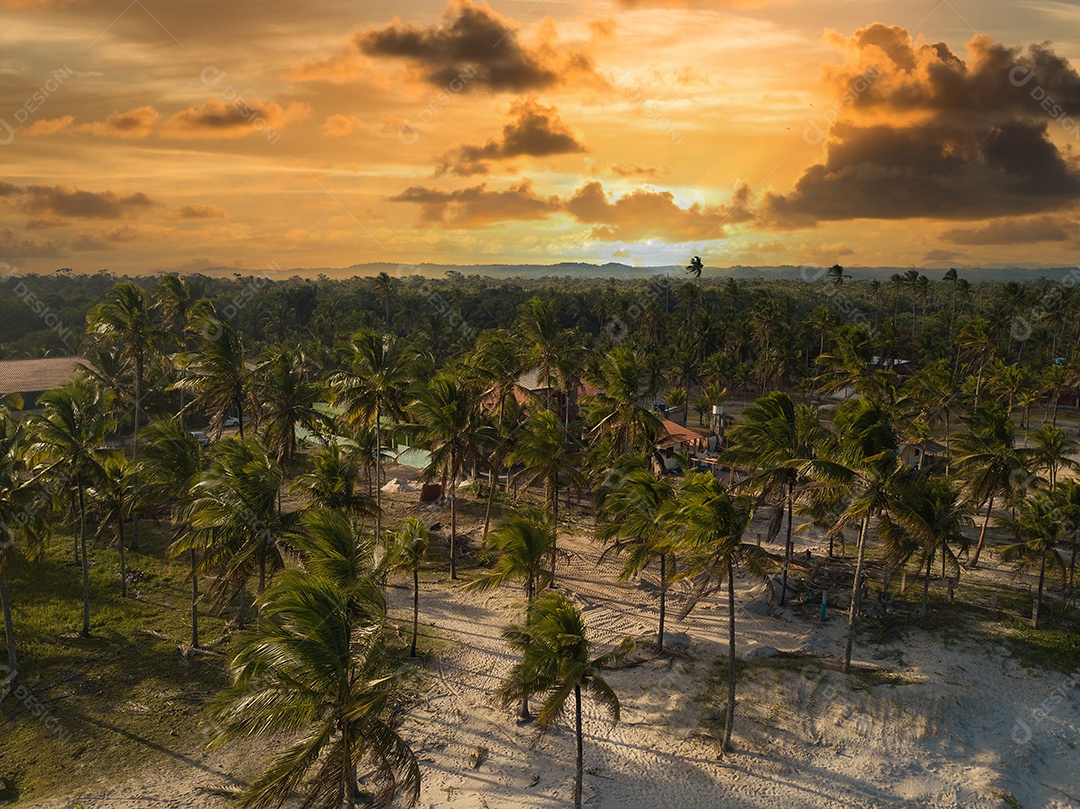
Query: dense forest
point(255, 420)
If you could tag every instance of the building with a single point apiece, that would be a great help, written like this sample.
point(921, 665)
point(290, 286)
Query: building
point(31, 378)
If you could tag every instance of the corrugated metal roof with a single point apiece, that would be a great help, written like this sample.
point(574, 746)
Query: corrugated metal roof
point(34, 376)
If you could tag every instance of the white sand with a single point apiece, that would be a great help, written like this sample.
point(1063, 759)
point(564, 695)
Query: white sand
point(944, 735)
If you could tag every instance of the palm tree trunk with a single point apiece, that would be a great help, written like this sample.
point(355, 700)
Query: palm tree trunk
point(85, 565)
point(378, 479)
point(9, 635)
point(553, 491)
point(1039, 596)
point(787, 544)
point(492, 477)
point(415, 606)
point(123, 562)
point(856, 593)
point(580, 768)
point(453, 519)
point(982, 536)
point(663, 603)
point(926, 584)
point(347, 769)
point(135, 454)
point(241, 620)
point(730, 719)
point(1072, 562)
point(194, 603)
point(262, 587)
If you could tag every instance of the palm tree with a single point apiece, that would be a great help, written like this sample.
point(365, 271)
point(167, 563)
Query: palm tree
point(538, 325)
point(67, 445)
point(373, 390)
point(988, 463)
point(866, 457)
point(217, 375)
point(123, 320)
point(409, 551)
point(542, 451)
point(614, 414)
point(775, 439)
point(333, 482)
point(446, 422)
point(1067, 497)
point(1052, 452)
point(171, 462)
point(173, 299)
point(315, 674)
point(713, 525)
point(632, 514)
point(557, 662)
point(232, 511)
point(524, 544)
point(931, 513)
point(288, 402)
point(24, 512)
point(114, 499)
point(1037, 525)
point(695, 267)
point(836, 275)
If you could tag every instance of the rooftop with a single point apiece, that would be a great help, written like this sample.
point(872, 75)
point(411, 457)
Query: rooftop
point(32, 376)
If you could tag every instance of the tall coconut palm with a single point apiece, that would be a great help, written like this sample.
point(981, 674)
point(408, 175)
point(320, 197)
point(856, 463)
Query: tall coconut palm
point(615, 414)
point(124, 320)
point(171, 462)
point(114, 499)
point(446, 422)
point(216, 374)
point(317, 676)
point(713, 523)
point(988, 463)
point(1067, 498)
point(931, 513)
point(333, 482)
point(373, 390)
point(632, 515)
point(557, 662)
point(538, 324)
point(287, 398)
point(408, 552)
point(173, 300)
point(542, 449)
point(865, 457)
point(24, 512)
point(1051, 452)
point(67, 445)
point(232, 511)
point(1037, 526)
point(775, 439)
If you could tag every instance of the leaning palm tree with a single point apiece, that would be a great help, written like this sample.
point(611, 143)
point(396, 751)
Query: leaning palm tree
point(234, 519)
point(409, 549)
point(317, 675)
point(713, 523)
point(632, 515)
point(446, 421)
point(373, 390)
point(123, 320)
point(775, 439)
point(542, 450)
point(1037, 526)
point(66, 444)
point(216, 374)
point(171, 462)
point(557, 662)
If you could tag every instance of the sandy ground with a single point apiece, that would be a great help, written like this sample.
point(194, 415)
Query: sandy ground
point(946, 723)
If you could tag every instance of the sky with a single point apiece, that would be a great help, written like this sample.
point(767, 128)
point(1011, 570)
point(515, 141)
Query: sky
point(145, 135)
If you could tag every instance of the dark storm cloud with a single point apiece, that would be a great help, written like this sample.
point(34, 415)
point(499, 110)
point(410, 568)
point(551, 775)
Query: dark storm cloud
point(535, 131)
point(473, 40)
point(477, 206)
point(1015, 231)
point(933, 135)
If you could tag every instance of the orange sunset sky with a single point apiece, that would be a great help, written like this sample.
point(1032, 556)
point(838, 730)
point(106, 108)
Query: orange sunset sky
point(149, 135)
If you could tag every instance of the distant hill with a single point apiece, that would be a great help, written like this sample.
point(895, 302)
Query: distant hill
point(577, 269)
